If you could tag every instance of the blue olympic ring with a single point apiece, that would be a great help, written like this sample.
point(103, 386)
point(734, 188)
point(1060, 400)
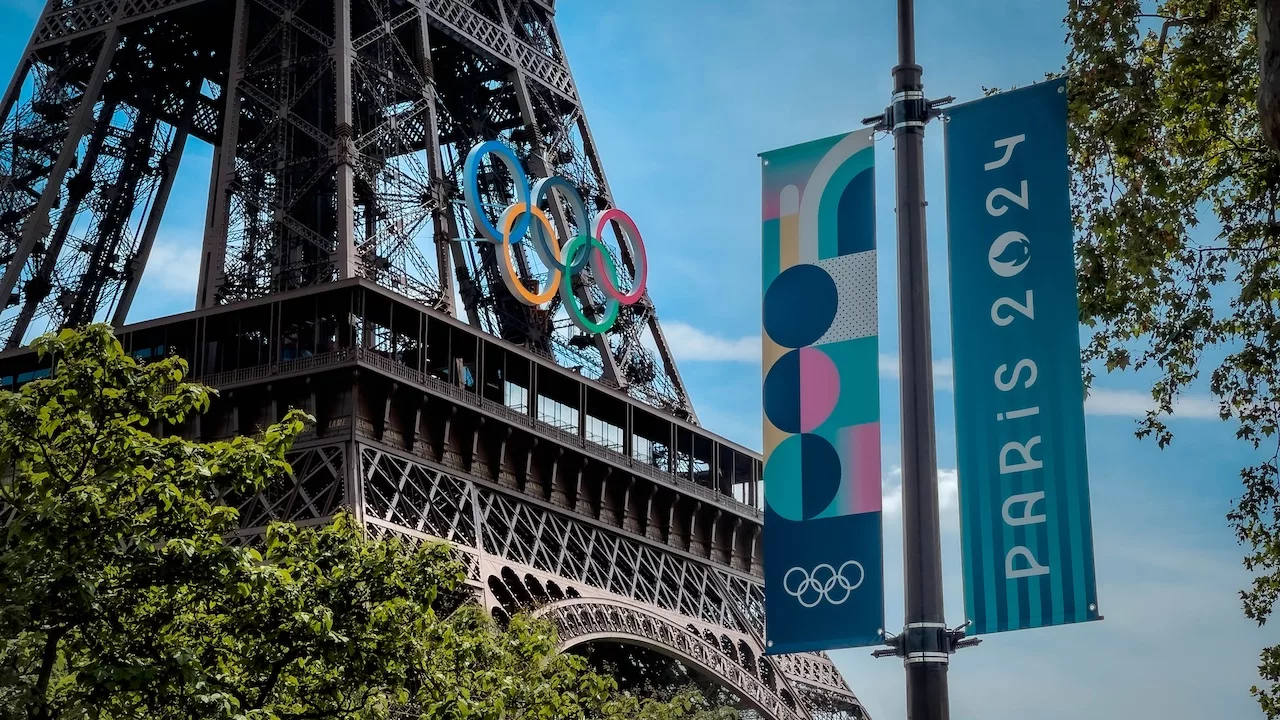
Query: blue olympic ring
point(586, 246)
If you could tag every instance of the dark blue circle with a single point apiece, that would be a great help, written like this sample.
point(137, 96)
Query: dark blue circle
point(782, 393)
point(802, 477)
point(800, 305)
point(821, 472)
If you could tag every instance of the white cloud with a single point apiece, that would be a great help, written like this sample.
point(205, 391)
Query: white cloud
point(689, 344)
point(948, 494)
point(1131, 403)
point(1101, 401)
point(743, 428)
point(889, 366)
point(943, 375)
point(173, 267)
point(948, 489)
point(1155, 581)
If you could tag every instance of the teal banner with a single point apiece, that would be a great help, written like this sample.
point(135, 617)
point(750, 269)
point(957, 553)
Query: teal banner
point(823, 554)
point(1026, 534)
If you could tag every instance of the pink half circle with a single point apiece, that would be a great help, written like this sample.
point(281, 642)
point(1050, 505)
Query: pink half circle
point(819, 388)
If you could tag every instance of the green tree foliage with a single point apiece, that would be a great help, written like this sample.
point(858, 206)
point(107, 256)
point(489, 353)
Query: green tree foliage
point(122, 597)
point(1176, 194)
point(110, 529)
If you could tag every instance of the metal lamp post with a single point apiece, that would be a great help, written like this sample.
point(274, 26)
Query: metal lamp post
point(926, 643)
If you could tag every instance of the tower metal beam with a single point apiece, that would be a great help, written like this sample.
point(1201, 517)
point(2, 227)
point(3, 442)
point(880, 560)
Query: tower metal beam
point(168, 172)
point(214, 250)
point(339, 131)
point(39, 285)
point(345, 254)
point(37, 226)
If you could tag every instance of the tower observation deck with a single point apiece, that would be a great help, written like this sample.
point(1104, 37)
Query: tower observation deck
point(338, 275)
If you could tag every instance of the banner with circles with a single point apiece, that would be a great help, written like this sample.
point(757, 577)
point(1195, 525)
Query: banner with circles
point(823, 552)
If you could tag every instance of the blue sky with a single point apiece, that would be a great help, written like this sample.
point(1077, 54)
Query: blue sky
point(681, 97)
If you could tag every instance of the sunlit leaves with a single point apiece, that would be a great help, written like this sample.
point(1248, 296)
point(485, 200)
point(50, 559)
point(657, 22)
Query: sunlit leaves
point(110, 528)
point(1175, 199)
point(123, 596)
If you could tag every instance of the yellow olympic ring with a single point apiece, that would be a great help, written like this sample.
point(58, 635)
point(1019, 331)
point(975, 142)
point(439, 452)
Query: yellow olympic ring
point(514, 282)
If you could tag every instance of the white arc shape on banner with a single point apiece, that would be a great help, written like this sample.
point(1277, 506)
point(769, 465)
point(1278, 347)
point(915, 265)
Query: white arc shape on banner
point(811, 199)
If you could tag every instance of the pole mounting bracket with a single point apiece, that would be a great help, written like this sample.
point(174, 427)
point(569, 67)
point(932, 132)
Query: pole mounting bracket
point(909, 109)
point(926, 642)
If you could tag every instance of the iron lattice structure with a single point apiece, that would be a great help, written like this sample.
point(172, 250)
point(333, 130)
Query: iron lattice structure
point(339, 131)
point(338, 274)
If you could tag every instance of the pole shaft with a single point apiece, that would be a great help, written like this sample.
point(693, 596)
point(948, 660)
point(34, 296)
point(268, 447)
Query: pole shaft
point(922, 554)
point(907, 35)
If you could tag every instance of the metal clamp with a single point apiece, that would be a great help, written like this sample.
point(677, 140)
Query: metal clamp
point(909, 109)
point(926, 642)
point(927, 657)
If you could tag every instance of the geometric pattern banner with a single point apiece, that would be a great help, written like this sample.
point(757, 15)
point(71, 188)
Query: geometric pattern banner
point(1026, 534)
point(823, 551)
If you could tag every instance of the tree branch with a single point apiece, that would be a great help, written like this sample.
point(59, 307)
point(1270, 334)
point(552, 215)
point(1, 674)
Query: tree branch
point(48, 658)
point(1169, 23)
point(274, 677)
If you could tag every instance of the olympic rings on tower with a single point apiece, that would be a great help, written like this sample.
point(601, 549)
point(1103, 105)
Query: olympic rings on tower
point(563, 260)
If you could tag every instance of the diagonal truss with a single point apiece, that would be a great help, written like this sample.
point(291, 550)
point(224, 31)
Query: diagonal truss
point(95, 121)
point(339, 132)
point(537, 555)
point(592, 583)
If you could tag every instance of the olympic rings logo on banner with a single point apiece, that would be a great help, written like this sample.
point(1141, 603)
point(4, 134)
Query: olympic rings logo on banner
point(564, 261)
point(821, 582)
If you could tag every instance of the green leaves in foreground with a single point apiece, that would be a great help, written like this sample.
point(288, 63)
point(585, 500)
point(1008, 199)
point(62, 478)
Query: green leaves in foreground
point(113, 534)
point(1175, 196)
point(120, 598)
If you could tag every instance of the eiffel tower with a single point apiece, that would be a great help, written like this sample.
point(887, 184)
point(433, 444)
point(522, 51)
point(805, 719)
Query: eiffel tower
point(338, 274)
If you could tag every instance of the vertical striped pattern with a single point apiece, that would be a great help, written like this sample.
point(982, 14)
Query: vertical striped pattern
point(1032, 566)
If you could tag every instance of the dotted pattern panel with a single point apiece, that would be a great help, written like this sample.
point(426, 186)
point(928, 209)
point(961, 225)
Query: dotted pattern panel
point(856, 312)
